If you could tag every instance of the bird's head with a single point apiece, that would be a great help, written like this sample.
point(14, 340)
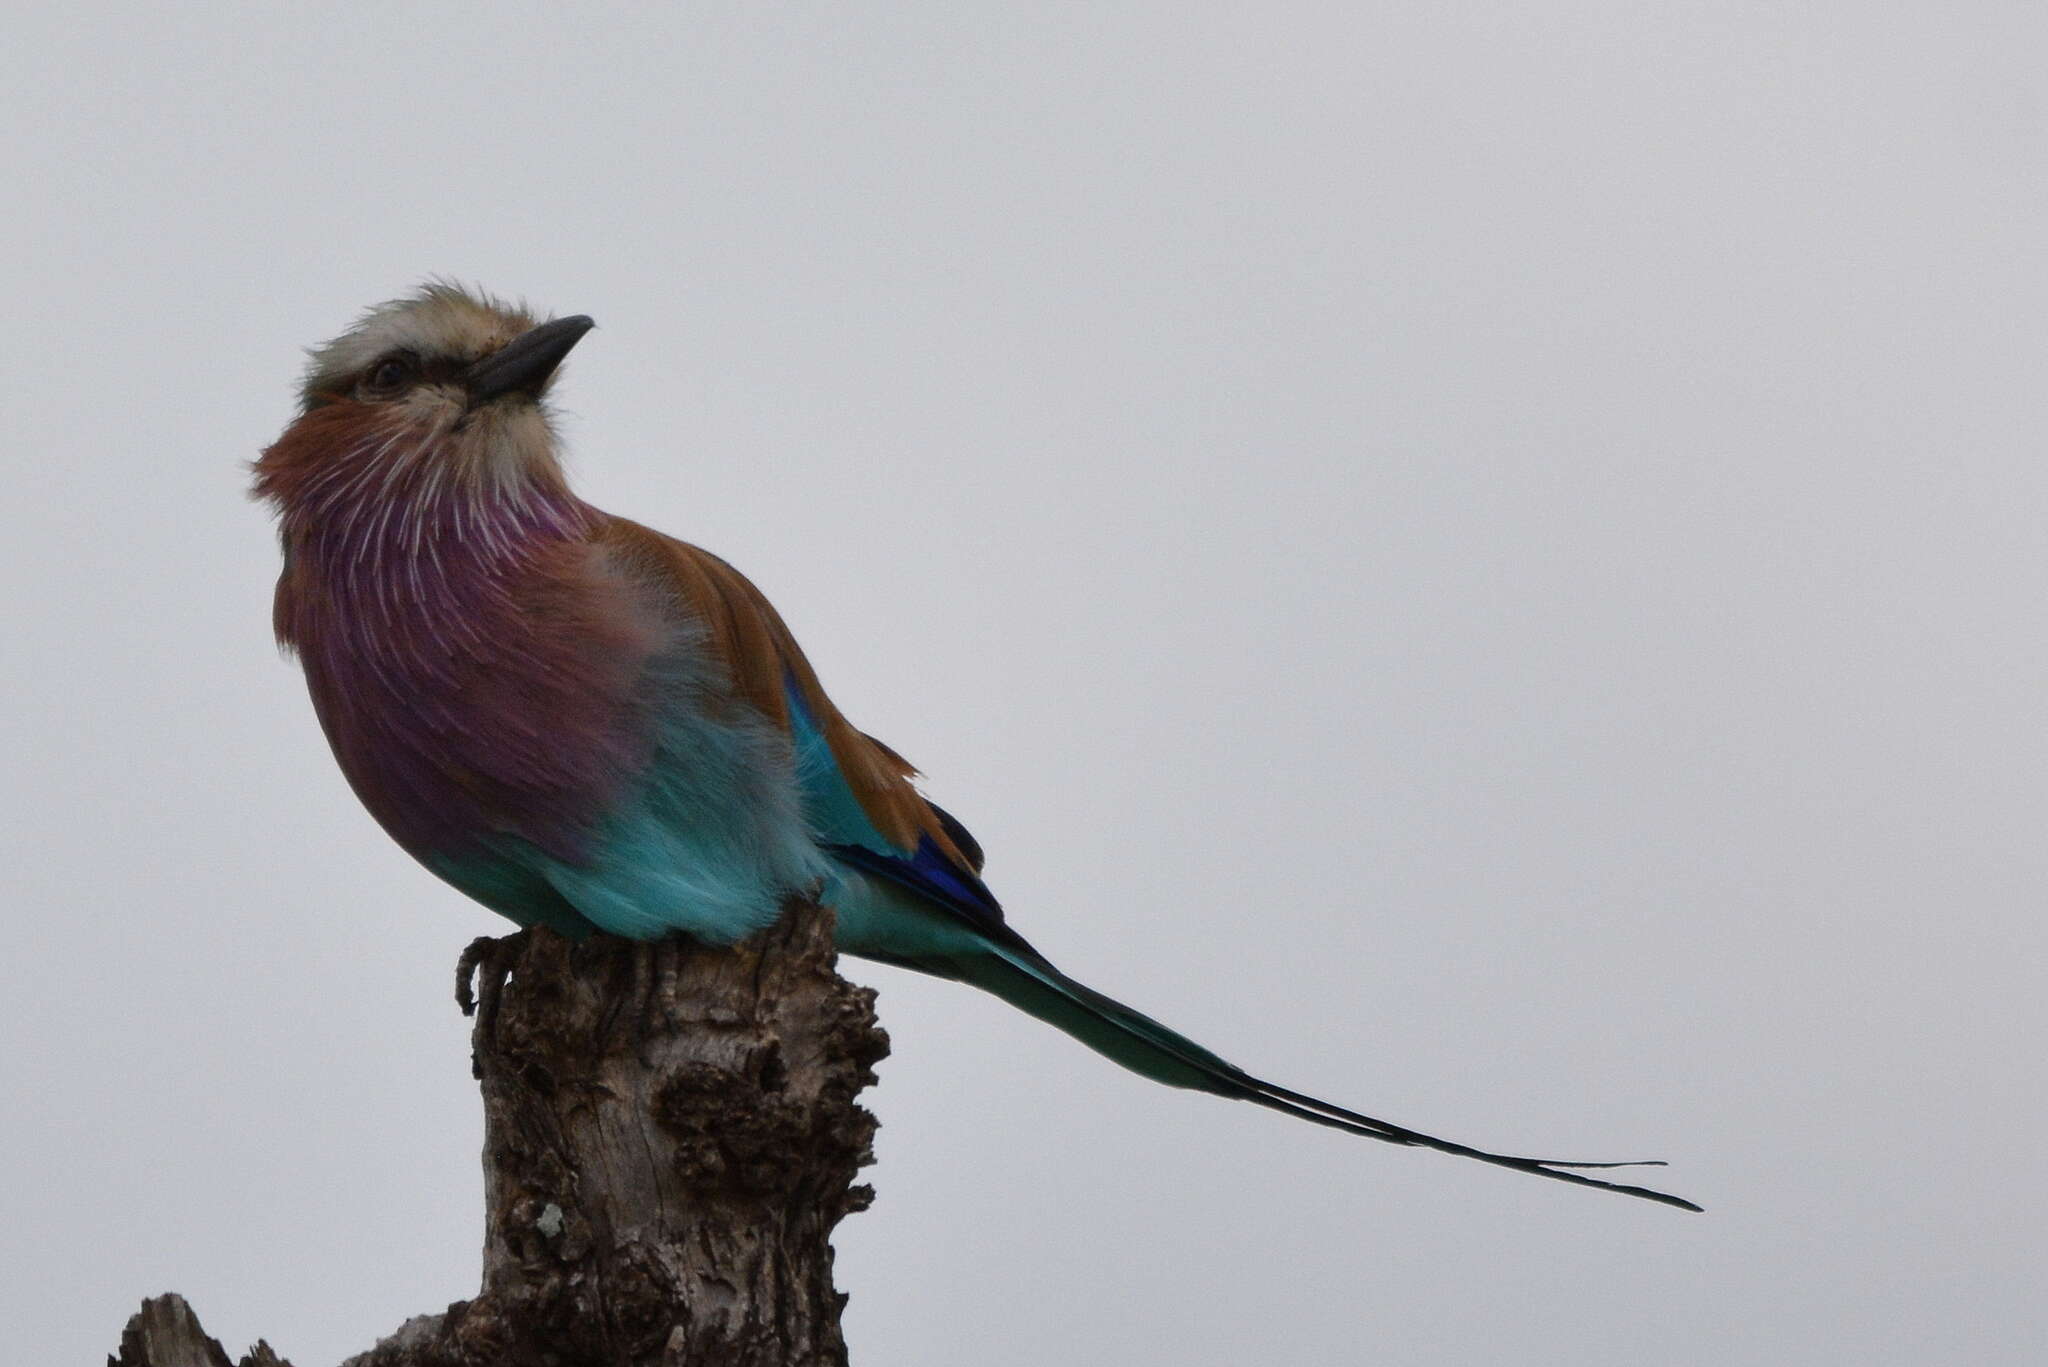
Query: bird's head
point(439, 394)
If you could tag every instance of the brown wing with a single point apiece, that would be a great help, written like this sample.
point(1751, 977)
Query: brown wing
point(749, 637)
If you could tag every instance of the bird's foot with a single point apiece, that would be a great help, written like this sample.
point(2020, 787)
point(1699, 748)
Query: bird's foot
point(480, 976)
point(657, 965)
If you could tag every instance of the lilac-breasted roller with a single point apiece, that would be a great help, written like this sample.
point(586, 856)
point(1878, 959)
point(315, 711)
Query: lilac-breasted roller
point(587, 725)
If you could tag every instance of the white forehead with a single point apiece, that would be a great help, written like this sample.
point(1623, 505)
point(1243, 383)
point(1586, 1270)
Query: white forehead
point(442, 320)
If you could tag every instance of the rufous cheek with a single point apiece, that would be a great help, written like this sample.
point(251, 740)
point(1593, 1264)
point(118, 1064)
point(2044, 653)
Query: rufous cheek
point(313, 442)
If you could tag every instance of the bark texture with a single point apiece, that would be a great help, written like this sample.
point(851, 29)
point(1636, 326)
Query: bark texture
point(165, 1333)
point(670, 1136)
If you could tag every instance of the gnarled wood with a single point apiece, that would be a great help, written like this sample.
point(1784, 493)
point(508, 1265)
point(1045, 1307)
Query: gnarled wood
point(165, 1333)
point(670, 1136)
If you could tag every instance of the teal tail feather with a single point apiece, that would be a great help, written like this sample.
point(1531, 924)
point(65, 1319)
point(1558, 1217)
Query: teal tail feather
point(1141, 1044)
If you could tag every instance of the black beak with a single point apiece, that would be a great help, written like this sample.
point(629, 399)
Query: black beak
point(524, 364)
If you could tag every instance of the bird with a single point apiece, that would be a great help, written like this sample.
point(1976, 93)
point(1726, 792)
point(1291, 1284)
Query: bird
point(585, 724)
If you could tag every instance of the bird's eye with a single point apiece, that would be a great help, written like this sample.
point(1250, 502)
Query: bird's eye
point(391, 374)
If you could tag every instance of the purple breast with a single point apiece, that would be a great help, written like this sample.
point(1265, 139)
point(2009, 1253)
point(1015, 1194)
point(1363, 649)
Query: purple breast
point(474, 686)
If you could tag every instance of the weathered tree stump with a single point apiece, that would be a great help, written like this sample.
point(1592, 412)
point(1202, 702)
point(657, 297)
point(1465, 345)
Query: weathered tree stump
point(165, 1333)
point(670, 1136)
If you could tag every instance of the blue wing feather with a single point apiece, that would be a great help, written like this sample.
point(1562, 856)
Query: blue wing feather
point(829, 803)
point(845, 831)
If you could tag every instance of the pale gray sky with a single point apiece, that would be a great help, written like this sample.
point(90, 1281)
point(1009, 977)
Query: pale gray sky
point(1485, 561)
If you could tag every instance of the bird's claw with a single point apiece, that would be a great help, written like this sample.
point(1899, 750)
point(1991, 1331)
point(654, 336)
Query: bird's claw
point(480, 976)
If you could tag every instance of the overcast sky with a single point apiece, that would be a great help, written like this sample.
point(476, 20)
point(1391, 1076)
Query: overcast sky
point(1484, 561)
